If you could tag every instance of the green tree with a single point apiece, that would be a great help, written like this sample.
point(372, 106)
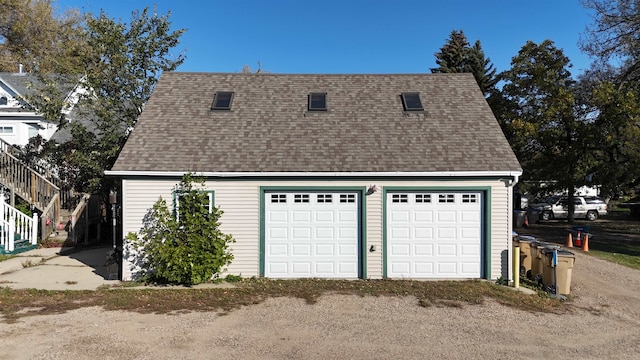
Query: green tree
point(123, 63)
point(453, 55)
point(457, 56)
point(187, 250)
point(614, 139)
point(33, 35)
point(614, 35)
point(614, 92)
point(540, 116)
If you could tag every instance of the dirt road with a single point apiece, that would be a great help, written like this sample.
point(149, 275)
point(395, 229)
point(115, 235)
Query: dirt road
point(604, 325)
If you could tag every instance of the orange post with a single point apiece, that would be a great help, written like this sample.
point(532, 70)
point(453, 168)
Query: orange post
point(569, 240)
point(585, 243)
point(578, 240)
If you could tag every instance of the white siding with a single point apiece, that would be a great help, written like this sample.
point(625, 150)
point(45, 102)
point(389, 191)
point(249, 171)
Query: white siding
point(374, 235)
point(240, 201)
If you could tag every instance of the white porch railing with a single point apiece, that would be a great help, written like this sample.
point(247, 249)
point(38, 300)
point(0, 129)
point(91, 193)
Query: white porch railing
point(15, 225)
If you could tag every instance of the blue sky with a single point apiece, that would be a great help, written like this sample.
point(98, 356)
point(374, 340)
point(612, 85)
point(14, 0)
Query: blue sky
point(354, 36)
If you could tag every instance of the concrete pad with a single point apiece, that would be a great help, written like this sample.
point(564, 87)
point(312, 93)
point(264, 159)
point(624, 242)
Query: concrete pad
point(47, 269)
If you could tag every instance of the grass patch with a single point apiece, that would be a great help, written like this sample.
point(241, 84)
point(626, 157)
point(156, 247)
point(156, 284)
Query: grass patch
point(632, 261)
point(615, 238)
point(18, 303)
point(4, 257)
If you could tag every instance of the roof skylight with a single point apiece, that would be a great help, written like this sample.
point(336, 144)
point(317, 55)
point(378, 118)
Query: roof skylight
point(411, 101)
point(222, 100)
point(317, 101)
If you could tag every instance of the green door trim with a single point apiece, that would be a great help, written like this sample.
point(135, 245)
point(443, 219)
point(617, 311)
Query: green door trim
point(362, 218)
point(485, 242)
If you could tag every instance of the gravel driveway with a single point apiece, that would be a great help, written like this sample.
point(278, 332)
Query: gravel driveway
point(605, 325)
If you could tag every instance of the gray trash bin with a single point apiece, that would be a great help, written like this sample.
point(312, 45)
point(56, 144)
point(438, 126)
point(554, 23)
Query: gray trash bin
point(563, 270)
point(518, 218)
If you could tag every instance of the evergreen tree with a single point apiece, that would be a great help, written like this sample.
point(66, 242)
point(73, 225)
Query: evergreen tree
point(453, 56)
point(457, 56)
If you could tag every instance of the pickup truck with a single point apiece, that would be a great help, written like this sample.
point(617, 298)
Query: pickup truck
point(556, 207)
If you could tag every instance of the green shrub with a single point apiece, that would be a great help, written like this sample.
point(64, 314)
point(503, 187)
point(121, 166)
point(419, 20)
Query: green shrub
point(187, 251)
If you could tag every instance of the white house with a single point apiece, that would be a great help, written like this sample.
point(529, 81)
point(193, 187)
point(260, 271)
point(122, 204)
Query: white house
point(19, 123)
point(332, 176)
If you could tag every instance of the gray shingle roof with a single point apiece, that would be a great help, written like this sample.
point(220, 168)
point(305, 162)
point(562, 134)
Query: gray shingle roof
point(269, 129)
point(17, 81)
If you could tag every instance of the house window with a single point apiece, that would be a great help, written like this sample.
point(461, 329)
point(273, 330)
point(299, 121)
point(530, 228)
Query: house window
point(318, 102)
point(222, 100)
point(3, 100)
point(180, 206)
point(469, 198)
point(301, 198)
point(399, 198)
point(411, 101)
point(446, 198)
point(6, 129)
point(324, 198)
point(278, 198)
point(423, 198)
point(347, 198)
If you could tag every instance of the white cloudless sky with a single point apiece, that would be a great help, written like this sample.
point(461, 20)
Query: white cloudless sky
point(353, 36)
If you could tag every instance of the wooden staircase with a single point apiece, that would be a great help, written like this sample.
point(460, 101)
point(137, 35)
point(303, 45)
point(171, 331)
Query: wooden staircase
point(37, 186)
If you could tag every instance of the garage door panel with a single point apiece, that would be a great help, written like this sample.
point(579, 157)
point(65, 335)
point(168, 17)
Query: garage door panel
point(434, 235)
point(325, 250)
point(423, 233)
point(424, 217)
point(347, 216)
point(446, 269)
point(278, 216)
point(423, 250)
point(324, 233)
point(347, 233)
point(470, 250)
point(347, 250)
point(300, 216)
point(324, 268)
point(400, 249)
point(423, 268)
point(301, 250)
point(301, 232)
point(301, 268)
point(472, 217)
point(447, 233)
point(310, 234)
point(470, 268)
point(278, 249)
point(277, 233)
point(400, 216)
point(401, 232)
point(447, 216)
point(447, 249)
point(346, 268)
point(278, 268)
point(324, 216)
point(400, 267)
point(470, 233)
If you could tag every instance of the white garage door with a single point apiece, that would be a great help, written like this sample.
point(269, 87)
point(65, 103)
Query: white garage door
point(311, 234)
point(434, 235)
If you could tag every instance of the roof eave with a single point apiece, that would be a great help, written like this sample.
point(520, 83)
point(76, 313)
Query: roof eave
point(509, 173)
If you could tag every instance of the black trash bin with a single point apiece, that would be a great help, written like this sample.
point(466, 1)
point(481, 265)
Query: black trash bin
point(518, 218)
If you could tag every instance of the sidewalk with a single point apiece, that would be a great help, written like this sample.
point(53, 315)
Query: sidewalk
point(47, 269)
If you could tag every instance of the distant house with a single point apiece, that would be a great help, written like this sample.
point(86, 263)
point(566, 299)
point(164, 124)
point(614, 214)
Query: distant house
point(18, 121)
point(332, 176)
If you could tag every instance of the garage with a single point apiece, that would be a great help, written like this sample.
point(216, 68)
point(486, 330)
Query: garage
point(312, 234)
point(433, 235)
